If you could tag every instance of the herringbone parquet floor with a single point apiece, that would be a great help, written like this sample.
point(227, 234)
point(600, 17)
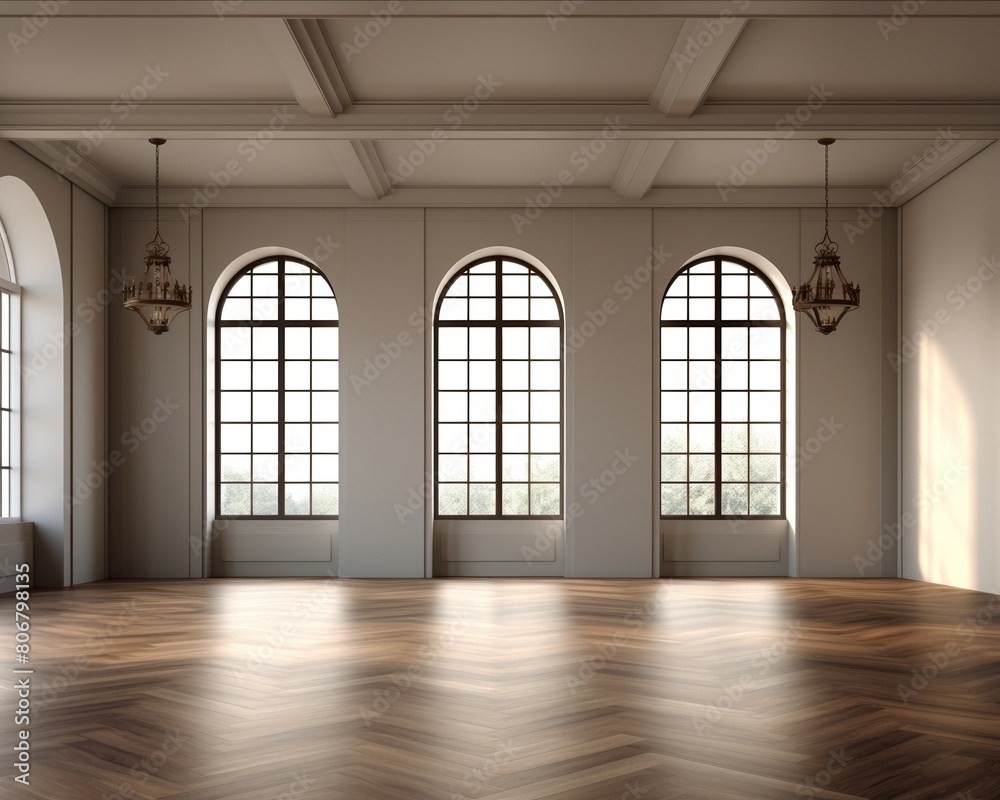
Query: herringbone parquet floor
point(509, 690)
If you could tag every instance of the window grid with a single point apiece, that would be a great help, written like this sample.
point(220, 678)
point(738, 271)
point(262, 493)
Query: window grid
point(722, 447)
point(277, 394)
point(6, 405)
point(504, 306)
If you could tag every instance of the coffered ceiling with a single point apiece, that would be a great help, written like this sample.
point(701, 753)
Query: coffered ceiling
point(426, 102)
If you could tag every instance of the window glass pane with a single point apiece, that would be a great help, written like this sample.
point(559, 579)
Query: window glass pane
point(453, 343)
point(453, 467)
point(234, 407)
point(297, 438)
point(232, 375)
point(325, 407)
point(673, 342)
point(235, 468)
point(297, 406)
point(297, 467)
point(483, 499)
point(544, 498)
point(324, 309)
point(734, 375)
point(673, 468)
point(326, 468)
point(673, 438)
point(765, 343)
point(515, 309)
point(765, 438)
point(545, 407)
point(702, 499)
point(765, 499)
point(515, 499)
point(734, 499)
point(325, 342)
point(544, 438)
point(325, 498)
point(482, 375)
point(482, 309)
point(678, 287)
point(453, 438)
point(296, 499)
point(515, 407)
point(765, 374)
point(734, 438)
point(483, 438)
point(454, 309)
point(482, 285)
point(265, 438)
point(702, 467)
point(734, 468)
point(453, 375)
point(453, 499)
point(265, 343)
point(702, 406)
point(482, 406)
point(545, 343)
point(236, 308)
point(673, 406)
point(325, 375)
point(544, 309)
point(702, 375)
point(515, 438)
point(765, 406)
point(674, 309)
point(701, 343)
point(296, 377)
point(515, 374)
point(235, 499)
point(699, 309)
point(326, 438)
point(544, 375)
point(242, 287)
point(265, 406)
point(483, 343)
point(734, 343)
point(515, 467)
point(265, 499)
point(483, 467)
point(765, 468)
point(702, 438)
point(673, 499)
point(545, 468)
point(733, 308)
point(265, 376)
point(515, 343)
point(764, 309)
point(234, 342)
point(734, 406)
point(297, 308)
point(265, 468)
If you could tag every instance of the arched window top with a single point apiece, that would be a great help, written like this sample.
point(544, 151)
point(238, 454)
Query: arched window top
point(721, 289)
point(494, 289)
point(255, 291)
point(6, 260)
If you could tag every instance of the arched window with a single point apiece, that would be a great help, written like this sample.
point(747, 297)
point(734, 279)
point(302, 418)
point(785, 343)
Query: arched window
point(277, 393)
point(9, 506)
point(722, 398)
point(498, 375)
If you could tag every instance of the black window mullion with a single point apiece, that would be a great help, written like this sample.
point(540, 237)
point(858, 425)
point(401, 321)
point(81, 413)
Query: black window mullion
point(281, 390)
point(718, 386)
point(498, 353)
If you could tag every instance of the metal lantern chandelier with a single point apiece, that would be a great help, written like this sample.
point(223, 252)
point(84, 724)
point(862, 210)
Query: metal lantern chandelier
point(827, 295)
point(153, 298)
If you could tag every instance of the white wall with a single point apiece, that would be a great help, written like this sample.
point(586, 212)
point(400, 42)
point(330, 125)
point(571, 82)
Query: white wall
point(56, 234)
point(950, 391)
point(386, 266)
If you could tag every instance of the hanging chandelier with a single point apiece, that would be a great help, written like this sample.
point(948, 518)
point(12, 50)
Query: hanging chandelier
point(153, 298)
point(827, 295)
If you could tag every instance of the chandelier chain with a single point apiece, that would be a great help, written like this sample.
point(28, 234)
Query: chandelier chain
point(157, 191)
point(826, 199)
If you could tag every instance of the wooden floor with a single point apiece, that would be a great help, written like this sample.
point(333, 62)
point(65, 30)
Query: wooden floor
point(509, 690)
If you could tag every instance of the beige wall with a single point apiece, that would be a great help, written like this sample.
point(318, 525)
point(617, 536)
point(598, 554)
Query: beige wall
point(57, 235)
point(950, 329)
point(386, 266)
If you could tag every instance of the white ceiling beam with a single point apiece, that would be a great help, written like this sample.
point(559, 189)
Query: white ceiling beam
point(325, 9)
point(61, 157)
point(930, 166)
point(360, 164)
point(38, 121)
point(695, 59)
point(639, 167)
point(305, 56)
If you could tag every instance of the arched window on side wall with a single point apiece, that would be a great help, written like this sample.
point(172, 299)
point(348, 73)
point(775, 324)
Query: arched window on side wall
point(722, 393)
point(9, 385)
point(498, 376)
point(277, 393)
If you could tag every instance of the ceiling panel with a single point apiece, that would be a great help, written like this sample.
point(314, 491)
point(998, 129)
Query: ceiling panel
point(796, 162)
point(144, 59)
point(193, 163)
point(555, 59)
point(502, 163)
point(924, 59)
